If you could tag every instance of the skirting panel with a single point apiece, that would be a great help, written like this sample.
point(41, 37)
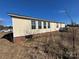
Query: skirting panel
point(19, 39)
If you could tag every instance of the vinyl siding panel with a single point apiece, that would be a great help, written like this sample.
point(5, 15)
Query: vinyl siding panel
point(22, 27)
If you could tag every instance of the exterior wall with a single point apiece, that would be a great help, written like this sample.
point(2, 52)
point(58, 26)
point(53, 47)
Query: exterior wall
point(53, 26)
point(22, 27)
point(62, 25)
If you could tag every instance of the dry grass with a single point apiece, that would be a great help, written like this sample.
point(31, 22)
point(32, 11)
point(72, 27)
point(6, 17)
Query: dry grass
point(42, 46)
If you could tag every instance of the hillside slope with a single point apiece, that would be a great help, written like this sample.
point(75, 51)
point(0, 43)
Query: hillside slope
point(43, 46)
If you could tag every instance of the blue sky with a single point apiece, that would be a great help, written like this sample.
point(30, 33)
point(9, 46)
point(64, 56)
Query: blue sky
point(45, 9)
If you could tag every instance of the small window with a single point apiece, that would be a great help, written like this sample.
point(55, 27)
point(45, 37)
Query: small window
point(44, 24)
point(57, 26)
point(33, 23)
point(39, 25)
point(48, 24)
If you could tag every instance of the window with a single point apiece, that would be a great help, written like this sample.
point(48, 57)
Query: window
point(48, 24)
point(44, 24)
point(57, 26)
point(33, 23)
point(39, 25)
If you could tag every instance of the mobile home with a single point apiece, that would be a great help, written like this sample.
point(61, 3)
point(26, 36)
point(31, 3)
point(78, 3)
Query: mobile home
point(23, 26)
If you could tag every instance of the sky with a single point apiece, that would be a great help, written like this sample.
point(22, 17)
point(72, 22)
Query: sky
point(45, 9)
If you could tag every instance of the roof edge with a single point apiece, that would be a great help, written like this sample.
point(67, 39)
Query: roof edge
point(31, 18)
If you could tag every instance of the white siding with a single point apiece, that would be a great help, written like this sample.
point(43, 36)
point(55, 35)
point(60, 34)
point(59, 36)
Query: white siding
point(22, 27)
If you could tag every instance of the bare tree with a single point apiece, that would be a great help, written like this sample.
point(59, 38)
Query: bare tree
point(1, 24)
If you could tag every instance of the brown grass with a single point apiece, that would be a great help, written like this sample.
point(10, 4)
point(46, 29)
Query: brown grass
point(42, 46)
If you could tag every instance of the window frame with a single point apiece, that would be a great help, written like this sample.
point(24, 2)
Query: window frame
point(44, 25)
point(33, 24)
point(57, 26)
point(48, 24)
point(39, 24)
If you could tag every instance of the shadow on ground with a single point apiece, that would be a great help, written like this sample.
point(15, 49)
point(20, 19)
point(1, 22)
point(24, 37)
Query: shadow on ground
point(9, 37)
point(29, 36)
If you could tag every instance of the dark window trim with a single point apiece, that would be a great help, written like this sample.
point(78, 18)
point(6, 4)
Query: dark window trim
point(48, 24)
point(57, 26)
point(33, 24)
point(44, 24)
point(39, 25)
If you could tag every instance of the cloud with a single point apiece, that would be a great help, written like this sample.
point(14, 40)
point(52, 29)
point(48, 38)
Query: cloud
point(62, 11)
point(1, 21)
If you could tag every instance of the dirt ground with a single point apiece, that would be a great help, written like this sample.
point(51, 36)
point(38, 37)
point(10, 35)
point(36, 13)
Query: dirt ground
point(42, 46)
